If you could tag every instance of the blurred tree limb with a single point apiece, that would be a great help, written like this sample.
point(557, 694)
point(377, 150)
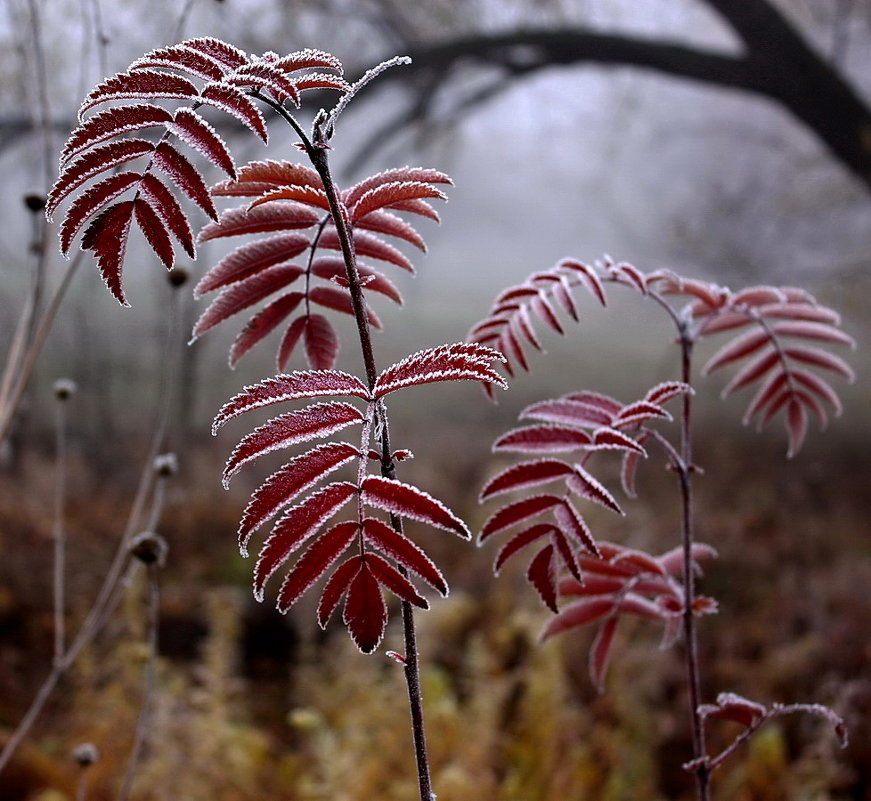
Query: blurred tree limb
point(775, 61)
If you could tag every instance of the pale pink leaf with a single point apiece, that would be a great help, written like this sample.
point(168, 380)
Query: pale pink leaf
point(520, 541)
point(543, 439)
point(576, 614)
point(600, 652)
point(524, 475)
point(796, 426)
point(820, 358)
point(517, 512)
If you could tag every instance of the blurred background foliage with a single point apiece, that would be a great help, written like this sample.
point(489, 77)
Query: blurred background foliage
point(549, 160)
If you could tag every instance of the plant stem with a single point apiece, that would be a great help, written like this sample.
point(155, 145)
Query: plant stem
point(59, 530)
point(684, 471)
point(318, 157)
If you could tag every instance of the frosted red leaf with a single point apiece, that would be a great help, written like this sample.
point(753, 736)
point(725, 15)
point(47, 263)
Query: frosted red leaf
point(574, 526)
point(757, 296)
point(154, 230)
point(576, 614)
point(565, 551)
point(251, 258)
point(263, 75)
point(387, 194)
point(336, 587)
point(517, 512)
point(731, 706)
point(184, 58)
point(604, 402)
point(307, 195)
point(390, 578)
point(402, 550)
point(821, 332)
point(541, 574)
point(629, 468)
point(408, 501)
point(384, 222)
point(321, 80)
point(219, 50)
point(185, 176)
point(664, 392)
point(565, 410)
point(339, 299)
point(258, 177)
point(672, 561)
point(315, 561)
point(600, 652)
point(139, 85)
point(456, 362)
point(195, 132)
point(91, 201)
point(398, 174)
point(290, 340)
point(817, 385)
point(308, 58)
point(321, 342)
point(587, 276)
point(167, 208)
point(585, 485)
point(292, 386)
point(107, 236)
point(91, 163)
point(770, 389)
point(365, 613)
point(235, 102)
point(262, 220)
point(332, 268)
point(520, 541)
point(299, 474)
point(113, 122)
point(800, 311)
point(243, 294)
point(631, 275)
point(369, 246)
point(296, 527)
point(820, 358)
point(543, 439)
point(737, 348)
point(755, 369)
point(317, 420)
point(796, 426)
point(525, 475)
point(611, 438)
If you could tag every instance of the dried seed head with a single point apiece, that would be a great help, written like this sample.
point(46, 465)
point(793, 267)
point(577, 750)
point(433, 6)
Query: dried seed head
point(64, 389)
point(177, 276)
point(85, 754)
point(165, 465)
point(149, 548)
point(34, 202)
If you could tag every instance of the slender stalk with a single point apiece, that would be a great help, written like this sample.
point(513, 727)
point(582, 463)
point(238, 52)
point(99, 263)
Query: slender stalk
point(684, 471)
point(144, 721)
point(59, 535)
point(318, 156)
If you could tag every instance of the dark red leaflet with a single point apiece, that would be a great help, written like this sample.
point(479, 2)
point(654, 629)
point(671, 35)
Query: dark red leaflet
point(297, 526)
point(299, 474)
point(315, 562)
